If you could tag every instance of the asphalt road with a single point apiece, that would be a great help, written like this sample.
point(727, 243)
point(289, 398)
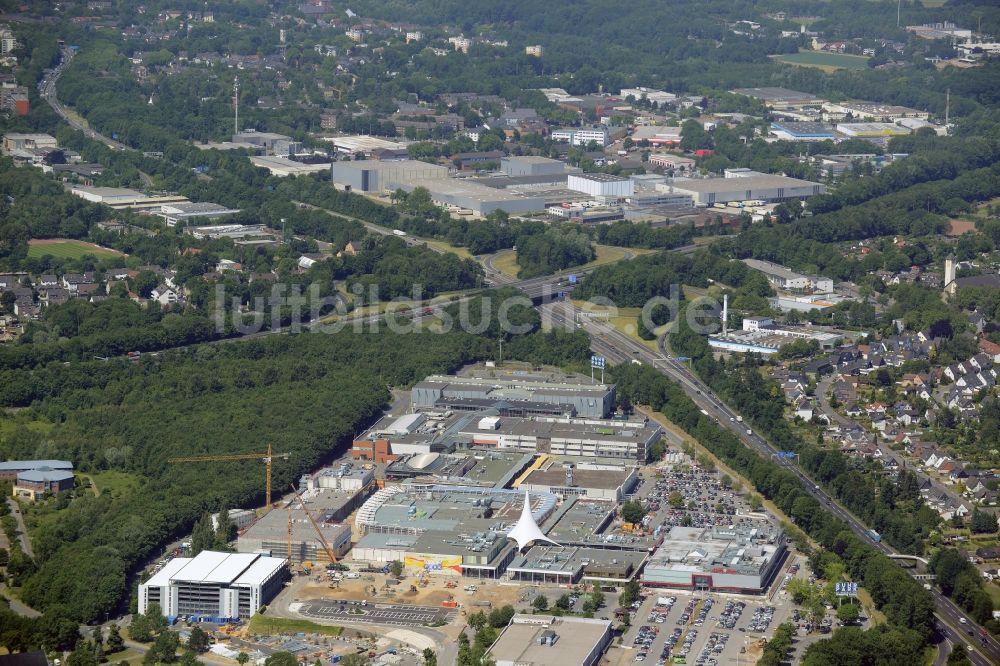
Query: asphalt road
point(47, 91)
point(618, 348)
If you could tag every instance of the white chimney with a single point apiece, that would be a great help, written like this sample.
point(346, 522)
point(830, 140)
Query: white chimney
point(725, 314)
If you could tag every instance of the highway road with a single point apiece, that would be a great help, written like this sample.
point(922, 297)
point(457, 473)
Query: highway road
point(953, 623)
point(47, 91)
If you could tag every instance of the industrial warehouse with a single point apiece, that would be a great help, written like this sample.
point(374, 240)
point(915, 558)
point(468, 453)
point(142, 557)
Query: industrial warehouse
point(752, 186)
point(219, 585)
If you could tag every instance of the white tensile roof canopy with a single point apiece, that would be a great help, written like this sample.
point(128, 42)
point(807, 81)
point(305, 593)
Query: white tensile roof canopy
point(526, 531)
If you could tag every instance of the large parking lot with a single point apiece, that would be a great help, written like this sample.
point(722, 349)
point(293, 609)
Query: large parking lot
point(701, 628)
point(699, 497)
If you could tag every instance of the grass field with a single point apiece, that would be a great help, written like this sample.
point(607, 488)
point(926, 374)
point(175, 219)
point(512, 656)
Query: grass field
point(279, 625)
point(115, 483)
point(67, 249)
point(828, 62)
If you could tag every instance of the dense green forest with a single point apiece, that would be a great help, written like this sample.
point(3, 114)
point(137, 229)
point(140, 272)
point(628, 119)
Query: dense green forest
point(305, 395)
point(555, 249)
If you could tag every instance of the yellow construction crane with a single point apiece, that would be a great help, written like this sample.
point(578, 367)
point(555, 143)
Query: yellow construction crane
point(322, 539)
point(266, 457)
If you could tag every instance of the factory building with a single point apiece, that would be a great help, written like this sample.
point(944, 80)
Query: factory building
point(475, 197)
point(872, 111)
point(222, 586)
point(176, 213)
point(760, 336)
point(365, 145)
point(547, 640)
point(780, 98)
point(120, 197)
point(872, 130)
point(282, 166)
point(570, 396)
point(532, 166)
point(382, 176)
point(802, 131)
point(787, 279)
point(601, 185)
point(709, 191)
point(263, 141)
point(740, 560)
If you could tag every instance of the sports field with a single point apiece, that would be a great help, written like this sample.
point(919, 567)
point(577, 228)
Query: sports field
point(821, 60)
point(65, 248)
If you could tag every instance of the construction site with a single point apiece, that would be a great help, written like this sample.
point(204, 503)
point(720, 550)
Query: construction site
point(445, 508)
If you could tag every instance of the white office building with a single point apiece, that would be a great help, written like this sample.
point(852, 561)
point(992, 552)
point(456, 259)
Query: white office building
point(581, 136)
point(215, 585)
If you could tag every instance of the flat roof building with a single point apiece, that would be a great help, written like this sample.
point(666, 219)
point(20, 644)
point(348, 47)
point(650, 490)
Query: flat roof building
point(567, 436)
point(785, 278)
point(183, 212)
point(709, 191)
point(546, 640)
point(601, 184)
point(530, 165)
point(234, 231)
point(584, 399)
point(582, 479)
point(382, 176)
point(282, 166)
point(224, 586)
point(365, 145)
point(120, 197)
point(568, 565)
point(17, 141)
point(741, 560)
point(264, 140)
point(780, 98)
point(581, 136)
point(873, 111)
point(872, 130)
point(329, 509)
point(472, 196)
point(443, 529)
point(802, 131)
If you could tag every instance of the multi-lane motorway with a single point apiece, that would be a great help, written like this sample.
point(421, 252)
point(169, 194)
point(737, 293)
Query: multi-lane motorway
point(953, 623)
point(47, 91)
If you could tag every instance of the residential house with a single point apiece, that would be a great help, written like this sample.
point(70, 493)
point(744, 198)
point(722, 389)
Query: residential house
point(164, 295)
